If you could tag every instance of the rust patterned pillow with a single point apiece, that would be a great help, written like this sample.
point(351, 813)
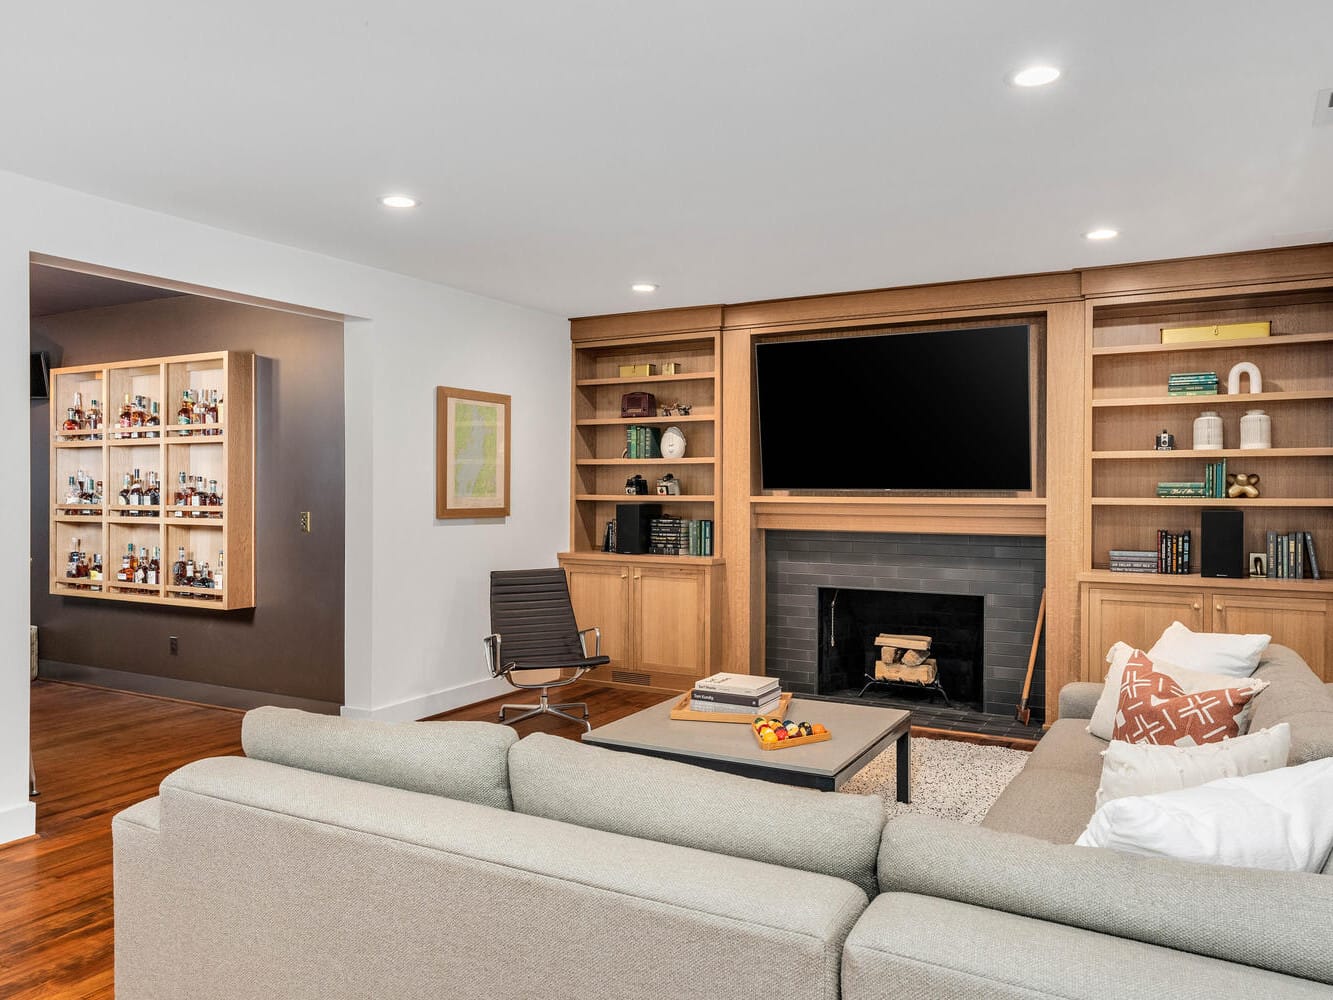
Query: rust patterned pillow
point(1154, 709)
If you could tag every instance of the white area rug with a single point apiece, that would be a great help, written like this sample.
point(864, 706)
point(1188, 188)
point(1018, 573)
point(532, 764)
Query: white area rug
point(950, 779)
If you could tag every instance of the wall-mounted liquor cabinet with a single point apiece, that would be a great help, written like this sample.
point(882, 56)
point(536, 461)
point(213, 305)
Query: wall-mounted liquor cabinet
point(152, 481)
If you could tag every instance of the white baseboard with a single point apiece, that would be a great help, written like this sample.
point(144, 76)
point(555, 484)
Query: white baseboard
point(18, 822)
point(431, 704)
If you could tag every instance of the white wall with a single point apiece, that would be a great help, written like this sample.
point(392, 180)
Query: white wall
point(416, 588)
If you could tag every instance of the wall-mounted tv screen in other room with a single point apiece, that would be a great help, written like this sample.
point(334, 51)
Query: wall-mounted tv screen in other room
point(39, 374)
point(939, 410)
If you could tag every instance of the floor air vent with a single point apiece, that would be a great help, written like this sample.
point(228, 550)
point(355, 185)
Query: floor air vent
point(628, 677)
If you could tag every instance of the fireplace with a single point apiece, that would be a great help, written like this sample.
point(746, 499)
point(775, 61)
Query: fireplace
point(850, 621)
point(1000, 577)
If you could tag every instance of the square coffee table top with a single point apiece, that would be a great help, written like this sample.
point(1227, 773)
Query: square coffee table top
point(857, 731)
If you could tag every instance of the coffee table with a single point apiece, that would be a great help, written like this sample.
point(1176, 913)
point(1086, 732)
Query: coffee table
point(859, 733)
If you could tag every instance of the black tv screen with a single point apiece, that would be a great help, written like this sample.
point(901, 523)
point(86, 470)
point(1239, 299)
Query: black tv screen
point(39, 367)
point(940, 410)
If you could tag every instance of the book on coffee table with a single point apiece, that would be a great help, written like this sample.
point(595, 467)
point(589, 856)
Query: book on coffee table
point(747, 685)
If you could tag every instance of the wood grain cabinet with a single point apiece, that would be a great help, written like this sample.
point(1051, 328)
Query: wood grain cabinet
point(1138, 615)
point(658, 621)
point(104, 476)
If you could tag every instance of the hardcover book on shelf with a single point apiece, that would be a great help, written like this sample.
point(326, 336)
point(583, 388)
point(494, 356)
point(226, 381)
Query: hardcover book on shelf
point(1309, 551)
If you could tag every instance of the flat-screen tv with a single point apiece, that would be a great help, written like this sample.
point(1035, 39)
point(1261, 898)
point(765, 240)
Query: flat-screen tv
point(939, 410)
point(39, 374)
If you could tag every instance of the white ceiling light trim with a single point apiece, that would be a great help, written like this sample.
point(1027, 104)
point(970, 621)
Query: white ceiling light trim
point(643, 287)
point(398, 201)
point(1101, 234)
point(1035, 76)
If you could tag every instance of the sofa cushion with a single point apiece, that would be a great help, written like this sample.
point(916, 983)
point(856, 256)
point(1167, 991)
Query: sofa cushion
point(1144, 769)
point(1067, 746)
point(1047, 803)
point(461, 760)
point(1212, 652)
point(1154, 709)
point(1295, 695)
point(824, 832)
point(1267, 919)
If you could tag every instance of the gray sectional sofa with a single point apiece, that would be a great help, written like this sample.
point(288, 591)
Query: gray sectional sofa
point(355, 860)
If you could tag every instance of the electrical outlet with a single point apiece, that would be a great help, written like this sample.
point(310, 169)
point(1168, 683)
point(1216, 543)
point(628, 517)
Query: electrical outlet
point(173, 644)
point(305, 521)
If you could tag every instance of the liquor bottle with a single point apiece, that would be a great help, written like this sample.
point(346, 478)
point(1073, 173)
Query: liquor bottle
point(125, 489)
point(198, 410)
point(94, 416)
point(138, 412)
point(79, 415)
point(71, 422)
point(126, 414)
point(73, 495)
point(185, 414)
point(95, 571)
point(214, 415)
point(198, 496)
point(155, 567)
point(182, 497)
point(205, 578)
point(189, 571)
point(217, 406)
point(71, 567)
point(178, 568)
point(154, 491)
point(99, 494)
point(154, 418)
point(133, 562)
point(214, 497)
point(123, 574)
point(136, 491)
point(82, 568)
point(141, 566)
point(217, 573)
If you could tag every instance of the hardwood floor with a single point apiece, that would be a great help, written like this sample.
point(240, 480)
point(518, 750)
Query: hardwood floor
point(99, 751)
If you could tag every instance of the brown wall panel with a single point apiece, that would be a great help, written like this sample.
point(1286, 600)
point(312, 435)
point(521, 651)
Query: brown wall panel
point(291, 643)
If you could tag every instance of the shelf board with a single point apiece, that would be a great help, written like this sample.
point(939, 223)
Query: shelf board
point(1278, 502)
point(646, 498)
point(1213, 345)
point(1194, 580)
point(1204, 402)
point(78, 444)
point(142, 442)
point(75, 510)
point(620, 557)
point(644, 461)
point(892, 501)
point(1216, 453)
point(686, 377)
point(611, 421)
point(196, 438)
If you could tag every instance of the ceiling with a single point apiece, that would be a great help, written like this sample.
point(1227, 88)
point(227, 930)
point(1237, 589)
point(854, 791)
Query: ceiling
point(725, 150)
point(54, 290)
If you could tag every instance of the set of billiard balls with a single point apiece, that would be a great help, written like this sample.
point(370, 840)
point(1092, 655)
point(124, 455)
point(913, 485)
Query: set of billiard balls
point(778, 730)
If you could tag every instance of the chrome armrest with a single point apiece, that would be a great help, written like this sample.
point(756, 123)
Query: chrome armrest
point(597, 643)
point(492, 646)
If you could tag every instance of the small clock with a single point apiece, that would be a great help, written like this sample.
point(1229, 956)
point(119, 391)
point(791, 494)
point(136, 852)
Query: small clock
point(673, 442)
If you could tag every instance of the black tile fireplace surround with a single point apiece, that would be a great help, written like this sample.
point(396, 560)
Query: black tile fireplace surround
point(1006, 573)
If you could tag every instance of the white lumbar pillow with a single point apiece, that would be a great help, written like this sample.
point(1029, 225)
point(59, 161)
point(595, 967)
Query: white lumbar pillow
point(1279, 820)
point(1146, 769)
point(1102, 723)
point(1216, 652)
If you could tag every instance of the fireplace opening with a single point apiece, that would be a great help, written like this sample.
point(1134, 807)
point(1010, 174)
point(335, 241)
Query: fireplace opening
point(949, 662)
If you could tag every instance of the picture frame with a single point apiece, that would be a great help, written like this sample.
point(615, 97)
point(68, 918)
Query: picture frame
point(472, 449)
point(1258, 564)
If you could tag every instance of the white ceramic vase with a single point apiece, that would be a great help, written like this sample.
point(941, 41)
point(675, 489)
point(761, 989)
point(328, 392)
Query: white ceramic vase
point(1256, 430)
point(1208, 431)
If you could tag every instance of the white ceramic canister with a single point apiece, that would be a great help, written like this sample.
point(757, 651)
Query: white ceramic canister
point(1208, 431)
point(1256, 430)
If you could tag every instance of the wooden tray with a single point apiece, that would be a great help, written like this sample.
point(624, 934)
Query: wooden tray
point(681, 712)
point(794, 741)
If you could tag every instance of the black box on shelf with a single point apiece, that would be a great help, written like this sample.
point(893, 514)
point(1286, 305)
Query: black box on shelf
point(632, 524)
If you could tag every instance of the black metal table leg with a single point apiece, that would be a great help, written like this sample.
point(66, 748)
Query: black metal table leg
point(905, 766)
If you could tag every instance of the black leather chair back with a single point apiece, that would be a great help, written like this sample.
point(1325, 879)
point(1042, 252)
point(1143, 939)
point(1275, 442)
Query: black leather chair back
point(530, 610)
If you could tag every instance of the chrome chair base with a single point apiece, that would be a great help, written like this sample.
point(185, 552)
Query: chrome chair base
point(546, 708)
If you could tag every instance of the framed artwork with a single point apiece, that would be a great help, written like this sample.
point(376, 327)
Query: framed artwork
point(471, 453)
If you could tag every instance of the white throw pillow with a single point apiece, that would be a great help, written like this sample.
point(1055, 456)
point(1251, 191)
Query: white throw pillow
point(1145, 769)
point(1215, 652)
point(1102, 723)
point(1279, 820)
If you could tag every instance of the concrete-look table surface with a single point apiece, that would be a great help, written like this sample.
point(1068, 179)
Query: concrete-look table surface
point(859, 733)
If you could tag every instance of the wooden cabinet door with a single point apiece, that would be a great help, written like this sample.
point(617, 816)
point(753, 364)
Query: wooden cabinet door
point(671, 621)
point(600, 593)
point(1301, 623)
point(1137, 617)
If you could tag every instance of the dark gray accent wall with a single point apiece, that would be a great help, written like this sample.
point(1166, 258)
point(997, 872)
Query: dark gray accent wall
point(291, 643)
point(1008, 572)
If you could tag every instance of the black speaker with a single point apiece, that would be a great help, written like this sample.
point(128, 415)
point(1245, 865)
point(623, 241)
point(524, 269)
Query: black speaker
point(632, 526)
point(1222, 543)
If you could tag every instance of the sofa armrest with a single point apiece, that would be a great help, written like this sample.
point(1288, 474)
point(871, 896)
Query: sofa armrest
point(899, 949)
point(1077, 700)
point(1259, 918)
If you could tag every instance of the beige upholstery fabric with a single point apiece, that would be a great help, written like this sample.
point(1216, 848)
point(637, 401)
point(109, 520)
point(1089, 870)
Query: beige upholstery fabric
point(661, 800)
point(1078, 699)
point(1297, 696)
point(911, 947)
point(1048, 803)
point(1261, 918)
point(462, 760)
point(1068, 746)
point(266, 881)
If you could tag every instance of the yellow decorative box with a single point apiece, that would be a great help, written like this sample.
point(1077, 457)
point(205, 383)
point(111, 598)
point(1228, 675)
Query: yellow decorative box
point(1218, 331)
point(672, 368)
point(637, 371)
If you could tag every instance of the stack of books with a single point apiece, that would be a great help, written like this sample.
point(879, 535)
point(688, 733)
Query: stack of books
point(1194, 489)
point(680, 536)
point(1133, 561)
point(1192, 384)
point(743, 694)
point(1288, 552)
point(642, 442)
point(1173, 552)
point(1215, 479)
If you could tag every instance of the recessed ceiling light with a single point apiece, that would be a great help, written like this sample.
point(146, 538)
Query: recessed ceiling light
point(398, 201)
point(1101, 234)
point(1035, 76)
point(643, 286)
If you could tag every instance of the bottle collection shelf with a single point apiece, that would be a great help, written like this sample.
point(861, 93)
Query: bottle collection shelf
point(143, 446)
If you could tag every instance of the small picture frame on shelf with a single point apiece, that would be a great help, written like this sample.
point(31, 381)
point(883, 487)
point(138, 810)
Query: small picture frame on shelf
point(472, 438)
point(1258, 564)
